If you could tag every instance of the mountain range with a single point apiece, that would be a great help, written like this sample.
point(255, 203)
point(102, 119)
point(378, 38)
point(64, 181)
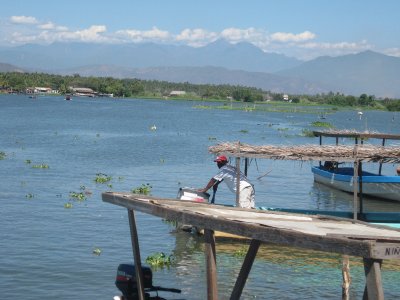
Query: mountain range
point(217, 63)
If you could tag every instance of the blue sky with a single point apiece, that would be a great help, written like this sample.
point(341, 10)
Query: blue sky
point(304, 28)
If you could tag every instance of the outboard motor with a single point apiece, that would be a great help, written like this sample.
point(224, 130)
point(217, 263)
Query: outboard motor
point(126, 282)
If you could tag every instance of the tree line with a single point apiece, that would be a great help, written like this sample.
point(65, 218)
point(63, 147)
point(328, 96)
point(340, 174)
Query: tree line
point(19, 82)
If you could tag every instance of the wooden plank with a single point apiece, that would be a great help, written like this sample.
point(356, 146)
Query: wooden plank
point(284, 232)
point(373, 288)
point(136, 254)
point(386, 251)
point(211, 264)
point(245, 270)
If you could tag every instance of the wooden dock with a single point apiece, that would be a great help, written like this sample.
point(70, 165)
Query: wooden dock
point(348, 237)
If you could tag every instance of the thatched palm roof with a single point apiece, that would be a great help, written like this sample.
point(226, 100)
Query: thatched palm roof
point(340, 153)
point(356, 134)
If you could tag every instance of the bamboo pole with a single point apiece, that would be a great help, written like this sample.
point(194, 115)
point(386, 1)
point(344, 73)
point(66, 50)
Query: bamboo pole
point(380, 164)
point(238, 177)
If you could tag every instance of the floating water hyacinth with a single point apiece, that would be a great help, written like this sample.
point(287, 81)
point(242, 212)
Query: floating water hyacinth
point(102, 178)
point(2, 155)
point(97, 251)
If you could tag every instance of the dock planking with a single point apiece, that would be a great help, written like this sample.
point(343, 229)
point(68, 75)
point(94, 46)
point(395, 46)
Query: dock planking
point(374, 243)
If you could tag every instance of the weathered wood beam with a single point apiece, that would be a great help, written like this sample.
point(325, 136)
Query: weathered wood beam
point(329, 243)
point(136, 254)
point(245, 270)
point(373, 287)
point(211, 264)
point(346, 277)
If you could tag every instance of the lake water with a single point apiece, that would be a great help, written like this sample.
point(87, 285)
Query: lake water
point(46, 250)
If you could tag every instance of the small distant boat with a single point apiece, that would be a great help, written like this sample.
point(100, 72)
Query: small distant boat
point(67, 97)
point(373, 185)
point(32, 96)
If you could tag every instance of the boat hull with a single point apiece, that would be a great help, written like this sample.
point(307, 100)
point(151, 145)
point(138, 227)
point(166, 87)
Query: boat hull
point(373, 185)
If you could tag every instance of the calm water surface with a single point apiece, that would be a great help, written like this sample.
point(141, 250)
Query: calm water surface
point(46, 250)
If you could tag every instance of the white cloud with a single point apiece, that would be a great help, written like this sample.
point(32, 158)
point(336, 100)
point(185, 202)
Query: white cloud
point(285, 37)
point(47, 26)
point(196, 37)
point(154, 34)
point(239, 35)
point(392, 52)
point(91, 34)
point(23, 20)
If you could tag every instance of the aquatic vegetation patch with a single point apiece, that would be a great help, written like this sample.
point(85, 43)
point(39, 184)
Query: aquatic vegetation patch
point(96, 251)
point(244, 131)
point(159, 260)
point(102, 178)
point(321, 124)
point(2, 155)
point(307, 133)
point(41, 166)
point(68, 205)
point(29, 196)
point(241, 252)
point(77, 196)
point(144, 189)
point(28, 161)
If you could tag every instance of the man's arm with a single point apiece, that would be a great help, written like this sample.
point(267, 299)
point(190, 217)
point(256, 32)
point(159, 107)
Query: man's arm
point(210, 184)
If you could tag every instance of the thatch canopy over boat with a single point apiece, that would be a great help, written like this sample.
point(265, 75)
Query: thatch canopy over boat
point(356, 134)
point(339, 153)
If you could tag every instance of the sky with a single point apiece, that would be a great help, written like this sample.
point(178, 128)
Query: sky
point(304, 29)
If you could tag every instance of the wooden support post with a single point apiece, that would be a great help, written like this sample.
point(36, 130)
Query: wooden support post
point(237, 181)
point(246, 165)
point(355, 190)
point(346, 278)
point(380, 164)
point(136, 254)
point(245, 270)
point(373, 286)
point(360, 187)
point(211, 263)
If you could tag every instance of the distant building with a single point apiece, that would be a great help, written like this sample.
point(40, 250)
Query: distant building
point(40, 90)
point(285, 97)
point(83, 92)
point(177, 93)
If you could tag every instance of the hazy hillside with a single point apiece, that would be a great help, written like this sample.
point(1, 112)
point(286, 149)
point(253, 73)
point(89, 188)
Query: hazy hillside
point(366, 72)
point(205, 75)
point(217, 63)
point(9, 68)
point(242, 56)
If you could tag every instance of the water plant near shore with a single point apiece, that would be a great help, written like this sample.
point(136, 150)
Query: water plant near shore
point(2, 155)
point(159, 260)
point(321, 124)
point(102, 178)
point(41, 166)
point(144, 189)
